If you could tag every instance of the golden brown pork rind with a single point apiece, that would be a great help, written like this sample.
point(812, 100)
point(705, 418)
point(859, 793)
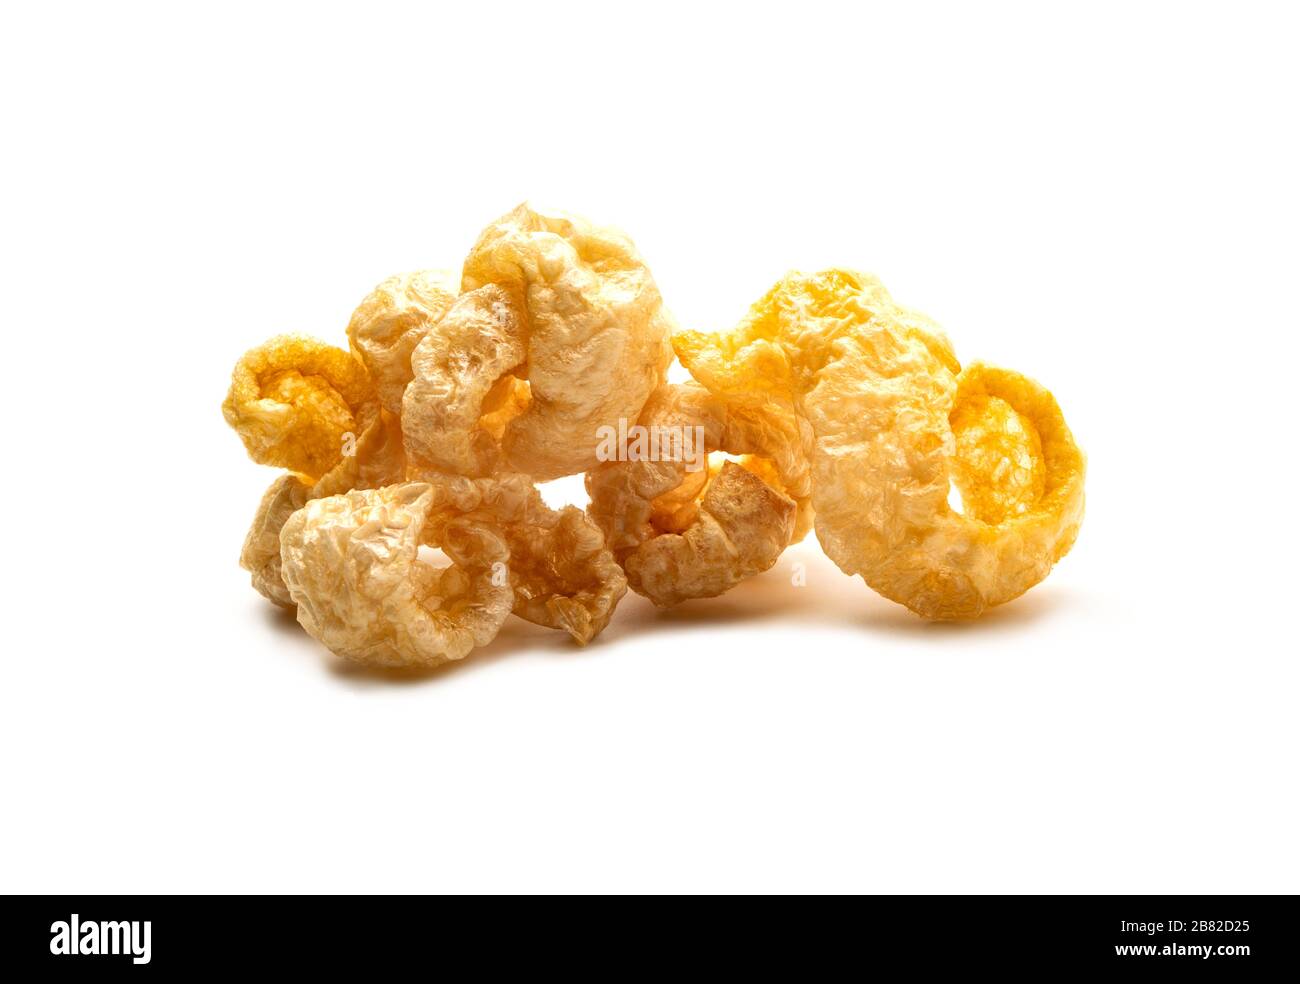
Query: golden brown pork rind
point(562, 575)
point(741, 526)
point(880, 387)
point(260, 555)
point(391, 321)
point(597, 333)
point(463, 383)
point(683, 533)
point(561, 572)
point(351, 565)
point(294, 401)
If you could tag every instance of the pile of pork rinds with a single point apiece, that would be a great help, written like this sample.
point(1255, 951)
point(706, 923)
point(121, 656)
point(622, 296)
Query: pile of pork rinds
point(829, 407)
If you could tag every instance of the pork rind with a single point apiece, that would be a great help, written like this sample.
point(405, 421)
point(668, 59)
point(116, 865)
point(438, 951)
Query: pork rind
point(894, 425)
point(597, 334)
point(294, 400)
point(261, 553)
point(834, 407)
point(351, 564)
point(561, 572)
point(388, 325)
point(464, 391)
point(683, 533)
point(741, 527)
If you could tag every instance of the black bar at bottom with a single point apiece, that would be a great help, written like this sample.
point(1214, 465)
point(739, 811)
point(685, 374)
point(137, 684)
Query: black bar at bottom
point(134, 935)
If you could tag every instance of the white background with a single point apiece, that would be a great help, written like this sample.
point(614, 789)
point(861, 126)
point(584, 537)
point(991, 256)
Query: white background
point(1105, 199)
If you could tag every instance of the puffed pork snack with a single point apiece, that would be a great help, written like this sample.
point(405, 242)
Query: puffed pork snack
point(829, 406)
point(897, 423)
